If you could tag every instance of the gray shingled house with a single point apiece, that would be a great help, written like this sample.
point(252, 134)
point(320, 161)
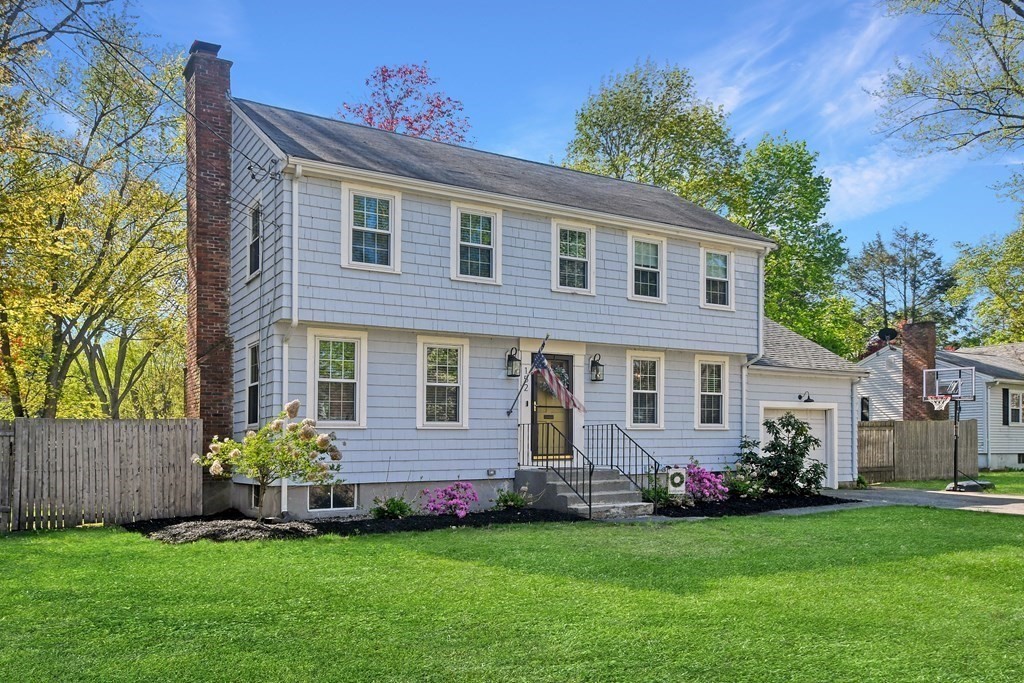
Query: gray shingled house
point(401, 287)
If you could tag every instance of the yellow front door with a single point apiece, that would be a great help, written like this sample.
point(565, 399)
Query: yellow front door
point(552, 423)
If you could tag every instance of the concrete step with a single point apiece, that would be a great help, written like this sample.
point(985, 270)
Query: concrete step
point(621, 484)
point(614, 510)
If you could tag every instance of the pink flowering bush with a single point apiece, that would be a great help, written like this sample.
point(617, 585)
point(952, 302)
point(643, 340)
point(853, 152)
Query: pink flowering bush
point(281, 449)
point(454, 499)
point(703, 485)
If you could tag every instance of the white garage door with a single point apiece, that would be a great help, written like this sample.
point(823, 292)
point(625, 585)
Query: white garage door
point(817, 419)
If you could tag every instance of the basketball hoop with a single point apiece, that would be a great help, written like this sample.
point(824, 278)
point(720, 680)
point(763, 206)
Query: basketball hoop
point(938, 402)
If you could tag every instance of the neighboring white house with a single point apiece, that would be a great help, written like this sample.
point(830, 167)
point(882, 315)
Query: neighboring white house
point(999, 388)
point(389, 282)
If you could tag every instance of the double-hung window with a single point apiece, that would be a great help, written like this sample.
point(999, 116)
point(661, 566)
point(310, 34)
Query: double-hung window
point(442, 389)
point(572, 268)
point(1016, 407)
point(373, 230)
point(647, 263)
point(252, 390)
point(712, 405)
point(476, 245)
point(338, 370)
point(255, 239)
point(645, 401)
point(716, 280)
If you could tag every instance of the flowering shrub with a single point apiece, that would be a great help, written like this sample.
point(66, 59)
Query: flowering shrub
point(280, 449)
point(454, 499)
point(703, 485)
point(782, 467)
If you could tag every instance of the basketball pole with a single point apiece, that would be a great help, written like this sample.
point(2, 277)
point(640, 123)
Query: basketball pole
point(956, 445)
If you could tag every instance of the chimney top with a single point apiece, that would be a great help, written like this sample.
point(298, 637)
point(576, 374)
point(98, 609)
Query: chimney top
point(204, 47)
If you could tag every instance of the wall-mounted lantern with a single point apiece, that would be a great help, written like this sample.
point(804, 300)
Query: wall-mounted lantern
point(596, 369)
point(805, 397)
point(513, 363)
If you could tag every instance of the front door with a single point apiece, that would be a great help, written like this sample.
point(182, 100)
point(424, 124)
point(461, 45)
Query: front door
point(552, 424)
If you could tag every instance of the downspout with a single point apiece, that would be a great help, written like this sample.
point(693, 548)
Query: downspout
point(760, 343)
point(988, 429)
point(294, 306)
point(854, 434)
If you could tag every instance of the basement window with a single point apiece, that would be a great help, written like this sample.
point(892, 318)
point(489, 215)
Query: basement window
point(331, 497)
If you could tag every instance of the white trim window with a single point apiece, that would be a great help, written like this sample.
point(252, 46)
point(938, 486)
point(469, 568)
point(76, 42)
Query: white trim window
point(716, 278)
point(647, 257)
point(476, 244)
point(712, 393)
point(252, 384)
point(572, 258)
point(255, 240)
point(373, 230)
point(442, 392)
point(1017, 408)
point(331, 497)
point(337, 366)
point(645, 400)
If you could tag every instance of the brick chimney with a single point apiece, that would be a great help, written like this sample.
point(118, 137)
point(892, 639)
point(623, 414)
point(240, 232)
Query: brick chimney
point(208, 353)
point(918, 355)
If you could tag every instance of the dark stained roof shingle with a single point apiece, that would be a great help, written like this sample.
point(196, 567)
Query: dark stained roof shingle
point(785, 349)
point(306, 136)
point(1003, 361)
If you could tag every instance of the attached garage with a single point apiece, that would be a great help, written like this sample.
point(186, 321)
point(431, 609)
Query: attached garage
point(796, 375)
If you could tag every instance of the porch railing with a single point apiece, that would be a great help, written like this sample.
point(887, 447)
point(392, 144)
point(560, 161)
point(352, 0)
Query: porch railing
point(543, 445)
point(610, 446)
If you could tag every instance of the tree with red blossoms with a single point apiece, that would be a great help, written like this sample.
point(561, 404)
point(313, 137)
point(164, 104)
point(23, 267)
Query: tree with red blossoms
point(402, 99)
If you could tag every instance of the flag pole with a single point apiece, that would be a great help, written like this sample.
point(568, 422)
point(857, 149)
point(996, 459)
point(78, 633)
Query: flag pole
point(508, 413)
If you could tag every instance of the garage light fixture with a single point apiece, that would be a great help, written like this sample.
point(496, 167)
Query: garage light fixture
point(805, 397)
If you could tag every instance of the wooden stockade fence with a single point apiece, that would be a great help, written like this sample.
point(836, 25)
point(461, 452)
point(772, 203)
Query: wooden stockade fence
point(894, 450)
point(63, 473)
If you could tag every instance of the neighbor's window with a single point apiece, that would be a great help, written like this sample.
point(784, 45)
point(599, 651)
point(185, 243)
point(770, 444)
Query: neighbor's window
point(476, 234)
point(337, 383)
point(1016, 407)
point(331, 497)
point(716, 279)
point(575, 260)
point(645, 401)
point(255, 232)
point(252, 395)
point(374, 223)
point(648, 268)
point(865, 409)
point(711, 402)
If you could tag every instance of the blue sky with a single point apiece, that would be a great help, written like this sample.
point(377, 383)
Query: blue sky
point(522, 69)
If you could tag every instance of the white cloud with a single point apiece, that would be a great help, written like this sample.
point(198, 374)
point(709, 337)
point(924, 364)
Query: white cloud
point(881, 179)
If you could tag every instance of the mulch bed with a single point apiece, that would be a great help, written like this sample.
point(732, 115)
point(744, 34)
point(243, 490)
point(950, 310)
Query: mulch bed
point(735, 506)
point(233, 526)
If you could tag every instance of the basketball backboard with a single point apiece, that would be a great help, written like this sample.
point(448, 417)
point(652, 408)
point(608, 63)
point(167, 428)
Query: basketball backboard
point(956, 383)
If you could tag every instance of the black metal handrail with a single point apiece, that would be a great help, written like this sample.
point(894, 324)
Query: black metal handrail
point(543, 445)
point(610, 446)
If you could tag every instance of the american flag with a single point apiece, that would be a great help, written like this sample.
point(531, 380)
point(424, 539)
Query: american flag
point(562, 393)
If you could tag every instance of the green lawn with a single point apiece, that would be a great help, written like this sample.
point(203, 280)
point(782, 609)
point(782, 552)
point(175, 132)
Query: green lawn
point(875, 594)
point(1008, 482)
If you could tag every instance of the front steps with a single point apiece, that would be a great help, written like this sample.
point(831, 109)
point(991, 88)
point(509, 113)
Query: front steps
point(613, 496)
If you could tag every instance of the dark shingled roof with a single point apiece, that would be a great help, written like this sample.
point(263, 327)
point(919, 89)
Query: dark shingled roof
point(784, 348)
point(317, 138)
point(1003, 361)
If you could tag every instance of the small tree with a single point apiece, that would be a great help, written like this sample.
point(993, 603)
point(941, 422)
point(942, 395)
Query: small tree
point(782, 466)
point(281, 449)
point(402, 100)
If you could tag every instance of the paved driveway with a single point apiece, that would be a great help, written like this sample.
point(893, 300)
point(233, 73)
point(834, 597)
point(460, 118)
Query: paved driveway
point(980, 502)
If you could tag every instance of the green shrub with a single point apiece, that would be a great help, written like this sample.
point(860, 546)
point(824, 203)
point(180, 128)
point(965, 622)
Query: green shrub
point(862, 483)
point(782, 466)
point(392, 507)
point(512, 500)
point(657, 494)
